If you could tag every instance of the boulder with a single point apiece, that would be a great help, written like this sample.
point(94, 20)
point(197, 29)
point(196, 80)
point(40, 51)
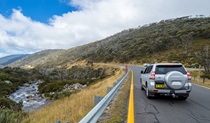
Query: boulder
point(26, 85)
point(74, 87)
point(8, 82)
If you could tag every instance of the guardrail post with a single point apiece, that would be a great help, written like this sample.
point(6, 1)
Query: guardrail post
point(115, 84)
point(98, 109)
point(58, 121)
point(108, 89)
point(97, 99)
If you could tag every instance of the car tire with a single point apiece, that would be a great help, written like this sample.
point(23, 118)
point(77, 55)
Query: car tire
point(148, 95)
point(182, 97)
point(156, 95)
point(141, 84)
point(142, 87)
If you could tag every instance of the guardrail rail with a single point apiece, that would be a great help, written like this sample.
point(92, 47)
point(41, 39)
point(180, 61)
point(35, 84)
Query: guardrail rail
point(97, 111)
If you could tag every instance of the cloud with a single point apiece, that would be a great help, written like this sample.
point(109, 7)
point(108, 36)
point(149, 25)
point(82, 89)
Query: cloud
point(94, 20)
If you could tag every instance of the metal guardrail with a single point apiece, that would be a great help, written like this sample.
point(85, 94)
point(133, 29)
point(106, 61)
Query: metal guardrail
point(97, 111)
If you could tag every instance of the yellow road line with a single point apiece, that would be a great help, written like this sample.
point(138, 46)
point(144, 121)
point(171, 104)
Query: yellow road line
point(131, 102)
point(201, 86)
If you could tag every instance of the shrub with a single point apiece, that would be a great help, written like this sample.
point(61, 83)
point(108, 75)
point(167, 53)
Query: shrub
point(205, 76)
point(55, 86)
point(11, 116)
point(194, 73)
point(7, 103)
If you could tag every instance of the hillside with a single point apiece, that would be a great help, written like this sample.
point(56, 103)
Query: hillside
point(11, 58)
point(166, 41)
point(38, 58)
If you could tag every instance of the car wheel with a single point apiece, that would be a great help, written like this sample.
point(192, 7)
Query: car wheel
point(148, 93)
point(156, 95)
point(141, 85)
point(182, 97)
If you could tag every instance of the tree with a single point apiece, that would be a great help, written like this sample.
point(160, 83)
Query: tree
point(203, 57)
point(187, 41)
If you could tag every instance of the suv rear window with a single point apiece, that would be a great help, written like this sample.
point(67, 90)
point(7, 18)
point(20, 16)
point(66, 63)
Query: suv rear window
point(148, 69)
point(163, 69)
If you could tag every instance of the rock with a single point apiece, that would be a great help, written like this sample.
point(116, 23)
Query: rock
point(74, 87)
point(84, 86)
point(31, 82)
point(107, 110)
point(26, 85)
point(42, 95)
point(8, 82)
point(66, 86)
point(52, 93)
point(39, 81)
point(29, 97)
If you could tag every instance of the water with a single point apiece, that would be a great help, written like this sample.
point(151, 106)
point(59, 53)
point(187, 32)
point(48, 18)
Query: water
point(30, 97)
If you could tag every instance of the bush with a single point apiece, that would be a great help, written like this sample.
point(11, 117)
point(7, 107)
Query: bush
point(55, 86)
point(11, 116)
point(9, 104)
point(194, 73)
point(58, 86)
point(205, 76)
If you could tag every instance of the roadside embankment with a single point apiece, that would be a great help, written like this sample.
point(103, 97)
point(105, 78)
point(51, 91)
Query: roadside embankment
point(74, 107)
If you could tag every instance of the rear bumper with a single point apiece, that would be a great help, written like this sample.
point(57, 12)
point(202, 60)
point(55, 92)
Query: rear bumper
point(172, 92)
point(185, 91)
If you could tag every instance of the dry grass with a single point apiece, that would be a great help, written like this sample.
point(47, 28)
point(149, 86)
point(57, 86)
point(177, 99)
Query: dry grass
point(74, 107)
point(197, 80)
point(78, 63)
point(200, 80)
point(119, 107)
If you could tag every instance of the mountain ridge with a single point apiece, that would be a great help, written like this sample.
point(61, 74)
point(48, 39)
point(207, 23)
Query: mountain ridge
point(37, 58)
point(11, 58)
point(174, 38)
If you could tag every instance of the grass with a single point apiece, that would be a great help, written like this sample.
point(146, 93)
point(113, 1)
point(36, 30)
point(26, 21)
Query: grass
point(74, 107)
point(199, 44)
point(118, 111)
point(78, 63)
point(197, 80)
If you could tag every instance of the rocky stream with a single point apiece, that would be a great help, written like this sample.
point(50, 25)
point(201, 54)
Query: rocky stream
point(30, 97)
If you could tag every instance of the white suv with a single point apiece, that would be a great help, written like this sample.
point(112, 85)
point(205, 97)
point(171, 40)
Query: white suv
point(169, 79)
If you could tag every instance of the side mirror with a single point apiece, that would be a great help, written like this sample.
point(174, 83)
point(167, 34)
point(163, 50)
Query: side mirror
point(142, 72)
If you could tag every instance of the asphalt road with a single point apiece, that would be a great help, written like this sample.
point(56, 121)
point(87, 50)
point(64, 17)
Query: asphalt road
point(196, 109)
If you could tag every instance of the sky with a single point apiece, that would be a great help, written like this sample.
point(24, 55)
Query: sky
point(28, 26)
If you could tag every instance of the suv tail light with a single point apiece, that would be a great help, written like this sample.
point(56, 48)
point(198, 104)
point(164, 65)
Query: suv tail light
point(152, 77)
point(188, 76)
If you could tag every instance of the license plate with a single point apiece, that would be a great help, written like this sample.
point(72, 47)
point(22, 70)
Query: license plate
point(159, 86)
